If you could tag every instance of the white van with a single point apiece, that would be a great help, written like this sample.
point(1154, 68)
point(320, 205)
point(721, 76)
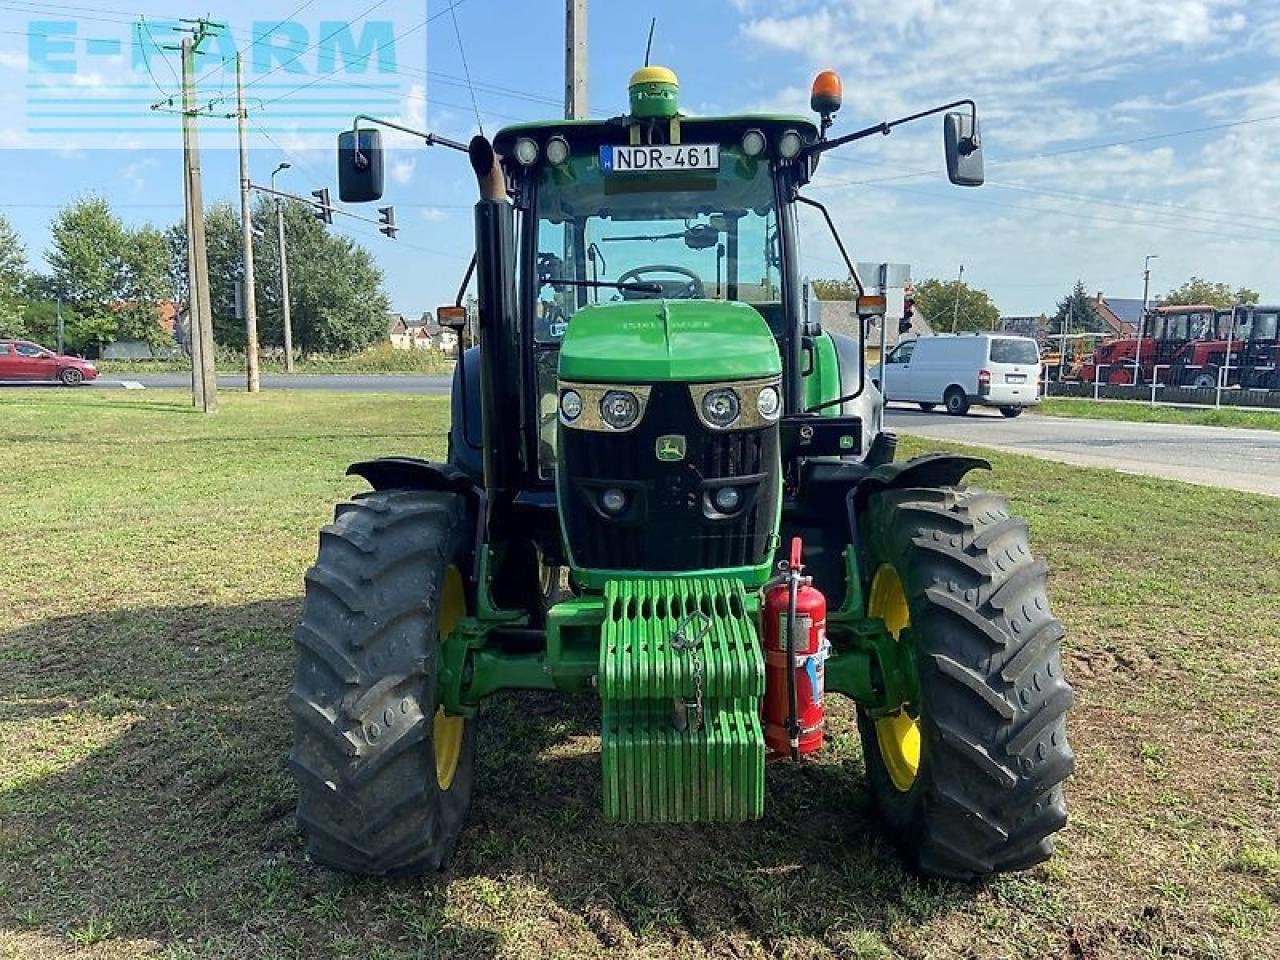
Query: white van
point(962, 369)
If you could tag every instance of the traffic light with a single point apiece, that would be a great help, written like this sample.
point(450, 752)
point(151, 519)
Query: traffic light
point(387, 217)
point(324, 209)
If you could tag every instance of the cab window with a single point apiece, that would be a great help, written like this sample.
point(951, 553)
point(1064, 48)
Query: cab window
point(903, 352)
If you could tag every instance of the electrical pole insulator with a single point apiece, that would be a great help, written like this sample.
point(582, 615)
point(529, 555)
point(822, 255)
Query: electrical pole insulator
point(324, 208)
point(387, 217)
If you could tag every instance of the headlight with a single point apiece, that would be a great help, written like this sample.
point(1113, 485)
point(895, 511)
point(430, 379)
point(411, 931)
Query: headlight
point(727, 499)
point(613, 501)
point(721, 407)
point(557, 150)
point(769, 403)
point(570, 405)
point(619, 409)
point(526, 151)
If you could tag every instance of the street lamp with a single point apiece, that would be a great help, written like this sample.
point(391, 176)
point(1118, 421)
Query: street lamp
point(287, 320)
point(1142, 317)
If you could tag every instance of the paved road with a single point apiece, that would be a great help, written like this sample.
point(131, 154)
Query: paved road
point(1215, 456)
point(358, 383)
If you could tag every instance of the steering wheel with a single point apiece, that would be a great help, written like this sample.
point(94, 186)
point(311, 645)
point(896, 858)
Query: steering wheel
point(690, 289)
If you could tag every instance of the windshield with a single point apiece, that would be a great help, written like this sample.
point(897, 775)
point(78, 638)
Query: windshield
point(1264, 326)
point(1011, 350)
point(627, 236)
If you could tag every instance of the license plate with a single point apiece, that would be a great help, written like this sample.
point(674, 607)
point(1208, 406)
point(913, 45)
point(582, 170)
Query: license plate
point(1015, 378)
point(661, 159)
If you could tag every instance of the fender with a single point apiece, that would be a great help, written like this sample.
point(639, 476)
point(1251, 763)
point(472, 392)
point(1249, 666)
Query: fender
point(413, 473)
point(928, 470)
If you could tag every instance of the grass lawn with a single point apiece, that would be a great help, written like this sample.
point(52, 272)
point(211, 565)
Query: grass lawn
point(151, 565)
point(1145, 413)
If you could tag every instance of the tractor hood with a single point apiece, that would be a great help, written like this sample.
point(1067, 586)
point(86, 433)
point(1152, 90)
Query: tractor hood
point(649, 341)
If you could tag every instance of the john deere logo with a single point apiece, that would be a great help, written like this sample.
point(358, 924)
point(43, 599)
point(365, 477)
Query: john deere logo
point(671, 448)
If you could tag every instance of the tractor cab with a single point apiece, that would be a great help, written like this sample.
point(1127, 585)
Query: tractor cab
point(1256, 350)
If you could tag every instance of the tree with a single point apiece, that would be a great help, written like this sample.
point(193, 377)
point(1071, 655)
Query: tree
point(1198, 290)
point(938, 301)
point(338, 305)
point(1076, 313)
point(13, 276)
point(835, 289)
point(87, 261)
point(145, 283)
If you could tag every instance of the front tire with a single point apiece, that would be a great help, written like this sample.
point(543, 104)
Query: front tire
point(1011, 412)
point(927, 407)
point(384, 777)
point(71, 377)
point(969, 778)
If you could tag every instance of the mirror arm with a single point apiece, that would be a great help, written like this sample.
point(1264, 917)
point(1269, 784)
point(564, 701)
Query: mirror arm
point(822, 146)
point(466, 280)
point(835, 235)
point(431, 139)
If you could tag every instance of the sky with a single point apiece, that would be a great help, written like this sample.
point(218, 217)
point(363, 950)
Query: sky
point(1111, 130)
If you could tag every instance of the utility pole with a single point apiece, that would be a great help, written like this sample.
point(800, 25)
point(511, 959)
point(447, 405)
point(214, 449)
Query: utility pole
point(253, 382)
point(285, 309)
point(60, 327)
point(203, 375)
point(955, 307)
point(1142, 319)
point(575, 59)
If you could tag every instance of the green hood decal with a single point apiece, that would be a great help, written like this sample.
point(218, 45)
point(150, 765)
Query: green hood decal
point(647, 341)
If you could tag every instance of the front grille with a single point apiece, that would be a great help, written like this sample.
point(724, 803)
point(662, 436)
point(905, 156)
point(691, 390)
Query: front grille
point(665, 526)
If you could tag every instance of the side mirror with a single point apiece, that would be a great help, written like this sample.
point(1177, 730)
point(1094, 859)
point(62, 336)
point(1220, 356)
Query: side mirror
point(452, 318)
point(963, 144)
point(360, 166)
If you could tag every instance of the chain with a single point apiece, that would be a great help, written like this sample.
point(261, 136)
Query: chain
point(682, 643)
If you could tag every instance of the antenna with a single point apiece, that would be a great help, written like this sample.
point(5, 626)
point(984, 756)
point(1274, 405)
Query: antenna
point(649, 46)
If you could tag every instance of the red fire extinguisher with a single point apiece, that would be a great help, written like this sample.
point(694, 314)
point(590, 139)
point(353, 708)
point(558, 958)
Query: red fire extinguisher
point(795, 649)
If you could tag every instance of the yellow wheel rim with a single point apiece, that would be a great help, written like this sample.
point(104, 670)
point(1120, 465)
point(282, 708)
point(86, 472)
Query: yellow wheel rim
point(446, 730)
point(898, 735)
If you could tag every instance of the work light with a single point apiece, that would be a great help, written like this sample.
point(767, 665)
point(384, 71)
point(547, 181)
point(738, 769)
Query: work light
point(753, 143)
point(570, 405)
point(721, 407)
point(526, 151)
point(619, 409)
point(789, 145)
point(557, 150)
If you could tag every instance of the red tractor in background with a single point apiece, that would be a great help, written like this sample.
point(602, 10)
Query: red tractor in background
point(1255, 349)
point(1174, 338)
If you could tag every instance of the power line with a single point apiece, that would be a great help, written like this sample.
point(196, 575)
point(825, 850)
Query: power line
point(466, 70)
point(262, 37)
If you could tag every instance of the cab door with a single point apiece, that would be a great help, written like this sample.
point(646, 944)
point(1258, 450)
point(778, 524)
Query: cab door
point(895, 372)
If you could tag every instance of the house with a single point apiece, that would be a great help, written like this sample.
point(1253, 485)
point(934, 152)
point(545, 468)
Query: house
point(409, 334)
point(1119, 315)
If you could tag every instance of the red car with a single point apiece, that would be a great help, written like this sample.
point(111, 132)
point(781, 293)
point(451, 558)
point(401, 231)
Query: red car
point(25, 361)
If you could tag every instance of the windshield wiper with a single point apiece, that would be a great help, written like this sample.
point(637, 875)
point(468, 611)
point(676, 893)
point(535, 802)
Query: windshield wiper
point(640, 287)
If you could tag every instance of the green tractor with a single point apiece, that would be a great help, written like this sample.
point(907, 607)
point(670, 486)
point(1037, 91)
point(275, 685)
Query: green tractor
point(668, 486)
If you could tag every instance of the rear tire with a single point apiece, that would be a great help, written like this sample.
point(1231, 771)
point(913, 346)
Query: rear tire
point(956, 401)
point(986, 791)
point(927, 407)
point(1011, 412)
point(384, 778)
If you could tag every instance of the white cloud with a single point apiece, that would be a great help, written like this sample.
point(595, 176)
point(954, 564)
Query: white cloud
point(434, 214)
point(402, 169)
